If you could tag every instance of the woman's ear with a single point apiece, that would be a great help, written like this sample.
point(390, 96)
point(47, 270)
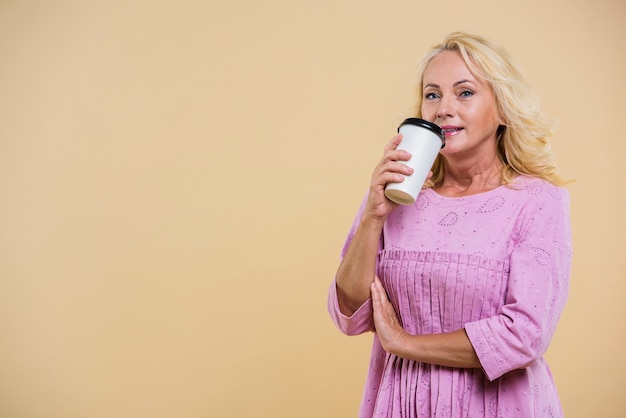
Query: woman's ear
point(500, 131)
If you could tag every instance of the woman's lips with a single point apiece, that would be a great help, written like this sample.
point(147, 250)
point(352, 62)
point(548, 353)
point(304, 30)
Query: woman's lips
point(451, 130)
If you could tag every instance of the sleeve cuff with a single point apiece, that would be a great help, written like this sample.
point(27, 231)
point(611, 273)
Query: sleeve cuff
point(487, 355)
point(359, 322)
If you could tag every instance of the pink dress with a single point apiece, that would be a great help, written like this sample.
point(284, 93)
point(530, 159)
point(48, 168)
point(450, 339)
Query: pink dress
point(496, 264)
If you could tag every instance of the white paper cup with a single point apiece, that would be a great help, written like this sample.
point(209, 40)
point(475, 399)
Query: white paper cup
point(423, 140)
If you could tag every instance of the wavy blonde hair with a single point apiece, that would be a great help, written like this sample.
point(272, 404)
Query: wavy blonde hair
point(522, 140)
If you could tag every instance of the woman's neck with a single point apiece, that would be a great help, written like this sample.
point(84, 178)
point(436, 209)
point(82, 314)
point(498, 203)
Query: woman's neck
point(465, 180)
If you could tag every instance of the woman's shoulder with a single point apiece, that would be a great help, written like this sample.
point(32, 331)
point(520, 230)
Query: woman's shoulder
point(538, 196)
point(532, 186)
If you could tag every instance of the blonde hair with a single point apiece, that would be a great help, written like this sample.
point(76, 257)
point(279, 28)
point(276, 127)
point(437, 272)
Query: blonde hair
point(522, 140)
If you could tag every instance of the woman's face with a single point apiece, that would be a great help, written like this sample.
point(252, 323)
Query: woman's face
point(463, 105)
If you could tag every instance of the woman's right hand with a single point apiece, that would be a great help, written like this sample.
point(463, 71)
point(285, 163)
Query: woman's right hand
point(389, 169)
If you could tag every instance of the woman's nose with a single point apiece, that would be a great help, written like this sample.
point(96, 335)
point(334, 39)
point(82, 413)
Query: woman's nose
point(445, 108)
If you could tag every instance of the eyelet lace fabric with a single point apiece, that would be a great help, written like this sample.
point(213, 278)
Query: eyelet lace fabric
point(495, 264)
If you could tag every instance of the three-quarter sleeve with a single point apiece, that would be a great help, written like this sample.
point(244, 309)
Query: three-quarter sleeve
point(537, 288)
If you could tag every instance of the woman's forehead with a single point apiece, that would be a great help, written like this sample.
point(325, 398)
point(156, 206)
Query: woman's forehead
point(448, 67)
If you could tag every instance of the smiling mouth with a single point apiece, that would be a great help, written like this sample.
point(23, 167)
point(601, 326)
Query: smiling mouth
point(451, 131)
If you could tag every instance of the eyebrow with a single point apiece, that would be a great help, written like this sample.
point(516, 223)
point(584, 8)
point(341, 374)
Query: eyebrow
point(453, 85)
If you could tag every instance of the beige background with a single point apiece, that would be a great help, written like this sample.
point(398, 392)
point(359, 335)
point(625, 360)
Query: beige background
point(177, 178)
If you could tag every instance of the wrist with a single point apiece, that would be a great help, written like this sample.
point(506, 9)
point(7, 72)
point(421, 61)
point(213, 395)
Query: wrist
point(373, 222)
point(400, 346)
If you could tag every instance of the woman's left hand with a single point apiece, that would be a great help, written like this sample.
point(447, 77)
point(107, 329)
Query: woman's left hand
point(389, 330)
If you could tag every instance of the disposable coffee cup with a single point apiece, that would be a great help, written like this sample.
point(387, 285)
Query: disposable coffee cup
point(423, 140)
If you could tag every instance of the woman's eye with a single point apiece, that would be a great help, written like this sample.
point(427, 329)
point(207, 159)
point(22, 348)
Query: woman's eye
point(467, 93)
point(430, 96)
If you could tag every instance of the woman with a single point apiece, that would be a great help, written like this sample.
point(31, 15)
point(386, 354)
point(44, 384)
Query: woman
point(464, 288)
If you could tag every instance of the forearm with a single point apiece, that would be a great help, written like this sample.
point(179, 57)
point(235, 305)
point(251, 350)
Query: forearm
point(452, 349)
point(357, 269)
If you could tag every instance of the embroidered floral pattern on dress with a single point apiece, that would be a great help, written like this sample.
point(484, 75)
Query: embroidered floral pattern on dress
point(448, 220)
point(502, 277)
point(542, 256)
point(492, 205)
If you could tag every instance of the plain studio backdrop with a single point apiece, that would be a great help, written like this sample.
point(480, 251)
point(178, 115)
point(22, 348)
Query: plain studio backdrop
point(177, 179)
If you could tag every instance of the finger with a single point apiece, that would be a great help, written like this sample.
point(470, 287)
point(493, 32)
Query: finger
point(381, 293)
point(396, 167)
point(378, 295)
point(393, 144)
point(375, 294)
point(395, 155)
point(384, 302)
point(391, 148)
point(377, 309)
point(377, 282)
point(391, 171)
